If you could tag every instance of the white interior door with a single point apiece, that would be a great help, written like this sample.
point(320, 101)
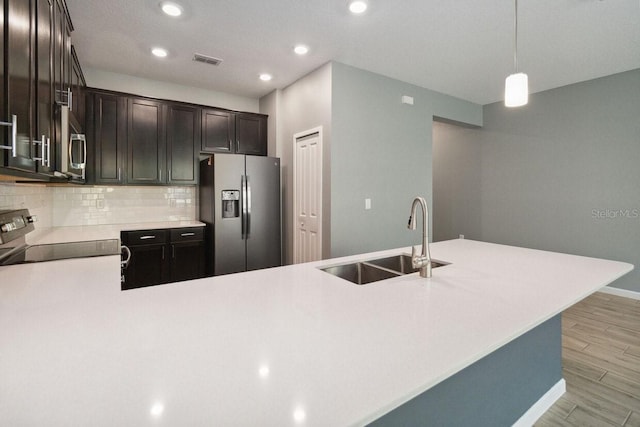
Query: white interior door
point(307, 240)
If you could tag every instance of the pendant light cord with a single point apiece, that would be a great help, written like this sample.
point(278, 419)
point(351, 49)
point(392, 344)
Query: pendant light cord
point(515, 48)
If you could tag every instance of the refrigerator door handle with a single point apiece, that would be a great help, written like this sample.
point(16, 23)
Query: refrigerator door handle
point(247, 230)
point(244, 206)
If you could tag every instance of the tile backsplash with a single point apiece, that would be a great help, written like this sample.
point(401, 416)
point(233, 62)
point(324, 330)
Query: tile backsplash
point(37, 198)
point(97, 205)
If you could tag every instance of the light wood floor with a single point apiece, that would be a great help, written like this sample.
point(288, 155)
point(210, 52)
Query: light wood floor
point(600, 364)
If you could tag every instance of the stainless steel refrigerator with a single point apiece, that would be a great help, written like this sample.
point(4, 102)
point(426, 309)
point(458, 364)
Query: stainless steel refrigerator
point(240, 205)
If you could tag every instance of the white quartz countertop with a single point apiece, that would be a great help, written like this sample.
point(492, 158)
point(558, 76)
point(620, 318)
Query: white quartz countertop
point(284, 346)
point(98, 232)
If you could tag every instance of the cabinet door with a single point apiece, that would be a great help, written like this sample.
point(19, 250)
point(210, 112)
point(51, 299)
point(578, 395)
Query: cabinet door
point(44, 147)
point(187, 261)
point(147, 266)
point(67, 61)
point(60, 94)
point(145, 142)
point(183, 140)
point(19, 82)
point(61, 53)
point(109, 138)
point(78, 87)
point(218, 131)
point(251, 134)
point(149, 262)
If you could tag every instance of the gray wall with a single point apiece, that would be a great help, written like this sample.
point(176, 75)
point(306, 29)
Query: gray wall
point(381, 149)
point(559, 174)
point(373, 147)
point(304, 105)
point(456, 182)
point(270, 104)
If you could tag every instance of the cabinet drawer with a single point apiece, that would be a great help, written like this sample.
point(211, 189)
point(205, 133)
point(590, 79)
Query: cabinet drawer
point(187, 234)
point(144, 237)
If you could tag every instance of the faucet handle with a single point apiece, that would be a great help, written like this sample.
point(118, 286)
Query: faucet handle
point(419, 260)
point(414, 252)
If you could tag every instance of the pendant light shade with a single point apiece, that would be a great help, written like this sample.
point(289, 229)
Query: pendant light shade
point(516, 86)
point(516, 90)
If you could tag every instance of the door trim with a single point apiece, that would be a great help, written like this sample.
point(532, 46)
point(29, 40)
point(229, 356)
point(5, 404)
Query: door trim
point(296, 137)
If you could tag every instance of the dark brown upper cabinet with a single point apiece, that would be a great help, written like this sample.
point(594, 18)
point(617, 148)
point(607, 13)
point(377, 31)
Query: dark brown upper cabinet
point(145, 142)
point(19, 88)
point(78, 90)
point(107, 133)
point(229, 132)
point(218, 131)
point(135, 140)
point(183, 136)
point(62, 54)
point(251, 134)
point(44, 144)
point(36, 66)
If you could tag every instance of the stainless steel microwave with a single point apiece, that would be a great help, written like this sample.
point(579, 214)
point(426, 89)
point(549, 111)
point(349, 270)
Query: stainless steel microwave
point(73, 147)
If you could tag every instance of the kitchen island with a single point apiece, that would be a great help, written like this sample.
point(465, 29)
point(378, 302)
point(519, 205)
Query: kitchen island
point(284, 346)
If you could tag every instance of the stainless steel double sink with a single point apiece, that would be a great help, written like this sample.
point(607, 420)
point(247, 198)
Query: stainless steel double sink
point(369, 271)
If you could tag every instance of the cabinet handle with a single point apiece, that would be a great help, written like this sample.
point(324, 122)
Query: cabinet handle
point(163, 252)
point(147, 237)
point(13, 124)
point(43, 157)
point(48, 152)
point(125, 262)
point(187, 234)
point(70, 99)
point(173, 251)
point(160, 171)
point(119, 174)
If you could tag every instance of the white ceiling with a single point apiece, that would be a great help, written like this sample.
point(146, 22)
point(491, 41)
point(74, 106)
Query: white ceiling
point(462, 48)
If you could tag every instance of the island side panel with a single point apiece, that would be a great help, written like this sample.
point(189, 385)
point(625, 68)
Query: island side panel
point(496, 390)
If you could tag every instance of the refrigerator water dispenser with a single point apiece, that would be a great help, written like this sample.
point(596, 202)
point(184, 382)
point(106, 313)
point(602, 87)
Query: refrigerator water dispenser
point(230, 203)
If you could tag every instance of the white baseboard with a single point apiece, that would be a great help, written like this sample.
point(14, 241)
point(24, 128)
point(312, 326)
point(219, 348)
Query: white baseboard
point(542, 405)
point(620, 292)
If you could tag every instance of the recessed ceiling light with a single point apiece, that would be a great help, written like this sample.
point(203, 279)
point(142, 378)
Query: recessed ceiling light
point(301, 49)
point(171, 9)
point(159, 52)
point(358, 6)
point(265, 77)
point(157, 409)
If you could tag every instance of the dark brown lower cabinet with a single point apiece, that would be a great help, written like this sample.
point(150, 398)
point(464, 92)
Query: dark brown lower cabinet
point(146, 268)
point(187, 253)
point(163, 256)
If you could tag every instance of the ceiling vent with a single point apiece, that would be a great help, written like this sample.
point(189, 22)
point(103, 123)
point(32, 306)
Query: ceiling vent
point(206, 59)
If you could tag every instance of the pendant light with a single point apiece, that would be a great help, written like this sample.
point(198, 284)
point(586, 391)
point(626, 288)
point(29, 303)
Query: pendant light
point(516, 87)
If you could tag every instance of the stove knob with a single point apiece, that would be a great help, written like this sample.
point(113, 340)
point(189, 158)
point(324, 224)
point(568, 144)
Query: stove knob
point(10, 226)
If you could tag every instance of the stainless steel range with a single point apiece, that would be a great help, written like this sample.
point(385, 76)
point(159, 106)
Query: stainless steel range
point(16, 224)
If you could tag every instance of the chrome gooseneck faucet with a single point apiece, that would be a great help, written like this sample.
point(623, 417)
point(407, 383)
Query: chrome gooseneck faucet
point(422, 261)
